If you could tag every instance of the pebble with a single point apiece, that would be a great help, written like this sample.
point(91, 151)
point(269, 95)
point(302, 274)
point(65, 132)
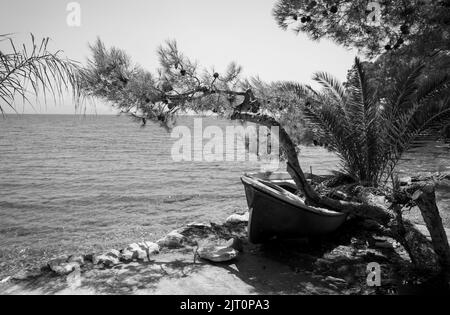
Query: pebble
point(172, 240)
point(5, 280)
point(238, 218)
point(76, 259)
point(106, 260)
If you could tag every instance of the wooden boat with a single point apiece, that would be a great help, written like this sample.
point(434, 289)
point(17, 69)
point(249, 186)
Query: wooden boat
point(278, 213)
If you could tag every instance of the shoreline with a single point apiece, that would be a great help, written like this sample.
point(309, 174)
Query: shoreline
point(333, 265)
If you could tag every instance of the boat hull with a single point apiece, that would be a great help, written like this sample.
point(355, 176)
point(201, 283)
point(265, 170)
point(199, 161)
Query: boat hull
point(274, 213)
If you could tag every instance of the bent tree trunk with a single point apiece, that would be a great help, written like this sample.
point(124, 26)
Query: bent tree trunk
point(425, 199)
point(419, 248)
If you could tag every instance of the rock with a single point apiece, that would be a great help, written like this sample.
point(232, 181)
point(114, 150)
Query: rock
point(127, 255)
point(65, 269)
point(358, 243)
point(62, 266)
point(217, 253)
point(5, 280)
point(235, 243)
point(76, 259)
point(106, 260)
point(405, 181)
point(150, 247)
point(199, 225)
point(113, 253)
point(172, 240)
point(25, 274)
point(238, 218)
point(57, 262)
point(340, 253)
point(139, 251)
point(89, 257)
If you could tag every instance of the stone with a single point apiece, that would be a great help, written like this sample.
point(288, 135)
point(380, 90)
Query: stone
point(150, 247)
point(57, 261)
point(5, 280)
point(238, 218)
point(89, 257)
point(139, 251)
point(172, 240)
point(26, 274)
point(62, 266)
point(405, 181)
point(235, 243)
point(106, 260)
point(113, 253)
point(341, 253)
point(127, 255)
point(76, 259)
point(216, 253)
point(65, 269)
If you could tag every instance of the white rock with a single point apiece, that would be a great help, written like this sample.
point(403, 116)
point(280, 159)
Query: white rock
point(24, 275)
point(238, 218)
point(139, 251)
point(217, 253)
point(171, 240)
point(405, 181)
point(76, 259)
point(127, 255)
point(106, 260)
point(113, 253)
point(65, 269)
point(150, 247)
point(5, 280)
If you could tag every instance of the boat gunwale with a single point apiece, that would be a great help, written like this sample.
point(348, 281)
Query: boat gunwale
point(313, 210)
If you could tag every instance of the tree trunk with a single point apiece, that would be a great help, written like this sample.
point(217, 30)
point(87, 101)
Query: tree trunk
point(425, 199)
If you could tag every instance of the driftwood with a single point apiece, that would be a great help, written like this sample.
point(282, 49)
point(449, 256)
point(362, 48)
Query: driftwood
point(423, 253)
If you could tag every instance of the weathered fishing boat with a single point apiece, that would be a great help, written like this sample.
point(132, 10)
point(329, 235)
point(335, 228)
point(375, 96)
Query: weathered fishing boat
point(276, 212)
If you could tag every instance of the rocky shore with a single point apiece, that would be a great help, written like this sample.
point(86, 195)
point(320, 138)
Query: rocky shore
point(209, 258)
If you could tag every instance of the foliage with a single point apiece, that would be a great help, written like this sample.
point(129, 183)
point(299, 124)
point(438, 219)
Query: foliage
point(47, 72)
point(423, 26)
point(370, 131)
point(180, 85)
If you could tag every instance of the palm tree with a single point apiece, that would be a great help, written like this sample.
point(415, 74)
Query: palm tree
point(46, 72)
point(370, 133)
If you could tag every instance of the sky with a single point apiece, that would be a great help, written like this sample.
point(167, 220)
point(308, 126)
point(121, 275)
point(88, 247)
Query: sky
point(212, 32)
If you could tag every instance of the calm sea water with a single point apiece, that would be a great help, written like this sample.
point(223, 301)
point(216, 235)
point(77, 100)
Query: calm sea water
point(73, 184)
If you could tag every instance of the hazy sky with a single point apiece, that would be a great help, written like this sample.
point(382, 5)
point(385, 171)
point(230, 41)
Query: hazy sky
point(211, 31)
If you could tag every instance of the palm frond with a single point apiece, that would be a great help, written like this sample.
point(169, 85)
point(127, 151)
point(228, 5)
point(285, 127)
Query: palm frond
point(44, 71)
point(333, 85)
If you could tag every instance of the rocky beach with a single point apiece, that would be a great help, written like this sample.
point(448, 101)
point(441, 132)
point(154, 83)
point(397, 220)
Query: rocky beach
point(210, 258)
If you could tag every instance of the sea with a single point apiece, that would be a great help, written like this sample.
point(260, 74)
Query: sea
point(84, 183)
